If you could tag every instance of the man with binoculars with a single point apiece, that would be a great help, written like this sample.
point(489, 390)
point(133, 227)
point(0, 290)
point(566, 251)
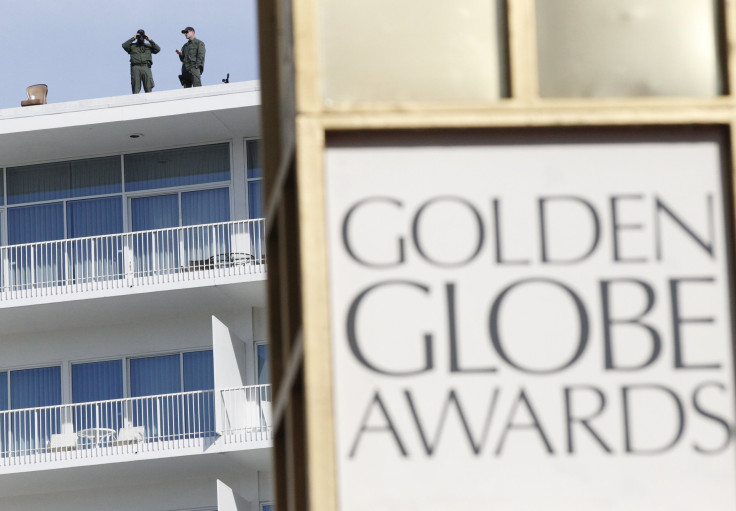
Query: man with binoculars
point(141, 60)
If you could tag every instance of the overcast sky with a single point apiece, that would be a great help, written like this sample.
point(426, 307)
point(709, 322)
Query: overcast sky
point(75, 46)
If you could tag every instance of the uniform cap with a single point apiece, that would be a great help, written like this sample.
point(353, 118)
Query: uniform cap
point(187, 30)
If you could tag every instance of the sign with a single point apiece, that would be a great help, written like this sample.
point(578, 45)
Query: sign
point(531, 321)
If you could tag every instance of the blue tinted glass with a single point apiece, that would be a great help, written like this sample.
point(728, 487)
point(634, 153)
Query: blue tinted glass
point(4, 391)
point(34, 183)
point(268, 507)
point(35, 387)
point(177, 167)
point(94, 217)
point(199, 371)
point(158, 212)
point(253, 158)
point(96, 176)
point(62, 180)
point(97, 381)
point(205, 207)
point(264, 374)
point(31, 224)
point(255, 200)
point(155, 375)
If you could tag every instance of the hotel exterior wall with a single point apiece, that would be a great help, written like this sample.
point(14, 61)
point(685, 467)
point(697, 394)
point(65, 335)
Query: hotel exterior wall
point(163, 493)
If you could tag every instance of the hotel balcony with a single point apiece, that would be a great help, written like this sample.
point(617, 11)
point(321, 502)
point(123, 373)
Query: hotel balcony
point(120, 430)
point(137, 262)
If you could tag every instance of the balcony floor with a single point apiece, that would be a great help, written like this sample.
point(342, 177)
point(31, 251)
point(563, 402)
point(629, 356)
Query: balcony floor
point(93, 310)
point(51, 478)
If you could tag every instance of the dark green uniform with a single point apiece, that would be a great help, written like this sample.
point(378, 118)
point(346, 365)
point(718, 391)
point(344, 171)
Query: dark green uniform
point(192, 67)
point(140, 63)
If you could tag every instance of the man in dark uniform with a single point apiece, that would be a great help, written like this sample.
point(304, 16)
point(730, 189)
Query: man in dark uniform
point(141, 60)
point(192, 58)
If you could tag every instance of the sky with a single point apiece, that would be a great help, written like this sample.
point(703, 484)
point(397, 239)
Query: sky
point(75, 46)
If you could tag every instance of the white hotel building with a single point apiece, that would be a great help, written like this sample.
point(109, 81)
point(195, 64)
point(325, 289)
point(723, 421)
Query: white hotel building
point(133, 337)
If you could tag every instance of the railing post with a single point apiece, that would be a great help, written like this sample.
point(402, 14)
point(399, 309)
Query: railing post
point(129, 259)
point(6, 271)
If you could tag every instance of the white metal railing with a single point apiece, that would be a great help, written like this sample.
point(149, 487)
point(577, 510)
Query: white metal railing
point(132, 259)
point(246, 413)
point(133, 425)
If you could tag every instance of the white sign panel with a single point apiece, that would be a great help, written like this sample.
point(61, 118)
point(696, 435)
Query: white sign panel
point(531, 323)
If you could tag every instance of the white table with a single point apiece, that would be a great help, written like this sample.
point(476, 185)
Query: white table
point(97, 435)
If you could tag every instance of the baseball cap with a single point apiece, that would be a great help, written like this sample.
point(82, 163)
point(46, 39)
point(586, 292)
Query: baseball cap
point(187, 30)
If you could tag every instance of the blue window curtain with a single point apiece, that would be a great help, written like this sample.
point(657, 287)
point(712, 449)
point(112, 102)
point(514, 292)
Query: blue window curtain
point(264, 373)
point(207, 246)
point(34, 388)
point(155, 252)
point(199, 370)
point(4, 418)
point(95, 259)
point(157, 212)
point(152, 376)
point(177, 167)
point(253, 158)
point(98, 381)
point(33, 183)
point(255, 199)
point(63, 180)
point(94, 217)
point(205, 206)
point(199, 408)
point(31, 224)
point(36, 266)
point(253, 163)
point(96, 176)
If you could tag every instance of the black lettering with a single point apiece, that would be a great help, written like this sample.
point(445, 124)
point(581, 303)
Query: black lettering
point(616, 227)
point(387, 427)
point(543, 227)
point(479, 230)
point(584, 421)
point(660, 208)
point(495, 334)
point(346, 239)
point(452, 333)
point(609, 322)
point(678, 320)
point(535, 424)
point(728, 429)
point(452, 398)
point(353, 336)
point(628, 436)
point(497, 225)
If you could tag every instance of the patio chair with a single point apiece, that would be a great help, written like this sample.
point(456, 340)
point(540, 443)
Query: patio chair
point(129, 435)
point(36, 95)
point(61, 442)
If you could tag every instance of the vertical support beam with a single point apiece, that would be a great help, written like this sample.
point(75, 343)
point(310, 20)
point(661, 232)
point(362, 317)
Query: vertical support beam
point(729, 46)
point(523, 50)
point(316, 320)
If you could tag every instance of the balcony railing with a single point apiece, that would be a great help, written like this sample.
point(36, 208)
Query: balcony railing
point(135, 425)
point(128, 260)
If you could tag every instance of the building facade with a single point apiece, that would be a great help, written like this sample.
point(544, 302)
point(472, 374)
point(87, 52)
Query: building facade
point(133, 367)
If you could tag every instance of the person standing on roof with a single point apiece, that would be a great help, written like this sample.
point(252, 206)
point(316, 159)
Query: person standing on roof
point(141, 60)
point(192, 58)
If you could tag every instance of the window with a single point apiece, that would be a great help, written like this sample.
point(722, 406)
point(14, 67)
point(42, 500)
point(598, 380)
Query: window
point(177, 167)
point(263, 373)
point(253, 162)
point(98, 381)
point(191, 414)
point(27, 430)
point(64, 180)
